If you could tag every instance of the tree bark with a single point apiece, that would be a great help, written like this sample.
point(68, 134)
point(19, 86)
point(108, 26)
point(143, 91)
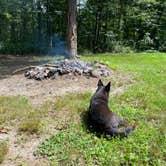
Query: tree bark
point(72, 28)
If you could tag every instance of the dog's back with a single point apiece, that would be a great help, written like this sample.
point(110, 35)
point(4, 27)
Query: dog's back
point(101, 118)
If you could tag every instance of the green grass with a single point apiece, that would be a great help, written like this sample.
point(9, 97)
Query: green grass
point(3, 150)
point(31, 125)
point(74, 144)
point(144, 104)
point(12, 108)
point(150, 73)
point(17, 112)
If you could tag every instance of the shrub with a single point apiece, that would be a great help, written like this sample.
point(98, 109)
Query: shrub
point(162, 48)
point(146, 43)
point(122, 49)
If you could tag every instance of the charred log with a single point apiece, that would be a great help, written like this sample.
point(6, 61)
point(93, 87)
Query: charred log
point(94, 69)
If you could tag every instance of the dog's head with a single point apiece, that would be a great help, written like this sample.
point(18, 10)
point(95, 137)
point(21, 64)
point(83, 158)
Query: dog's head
point(103, 91)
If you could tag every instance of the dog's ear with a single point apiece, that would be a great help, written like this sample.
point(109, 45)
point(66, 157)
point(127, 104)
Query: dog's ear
point(100, 83)
point(107, 87)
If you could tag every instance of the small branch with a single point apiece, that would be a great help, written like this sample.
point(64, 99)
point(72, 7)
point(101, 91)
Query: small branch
point(23, 69)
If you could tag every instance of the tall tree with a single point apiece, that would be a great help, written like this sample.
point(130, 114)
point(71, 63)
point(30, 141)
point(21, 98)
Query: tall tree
point(72, 28)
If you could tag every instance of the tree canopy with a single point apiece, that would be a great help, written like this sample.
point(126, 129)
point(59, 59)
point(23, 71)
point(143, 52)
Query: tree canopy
point(39, 26)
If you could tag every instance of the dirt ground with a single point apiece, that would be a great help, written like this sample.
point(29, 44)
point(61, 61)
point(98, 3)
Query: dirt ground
point(40, 91)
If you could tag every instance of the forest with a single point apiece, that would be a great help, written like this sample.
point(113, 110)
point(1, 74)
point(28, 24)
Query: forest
point(83, 82)
point(39, 26)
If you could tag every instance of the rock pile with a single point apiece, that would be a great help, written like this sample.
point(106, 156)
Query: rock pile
point(53, 70)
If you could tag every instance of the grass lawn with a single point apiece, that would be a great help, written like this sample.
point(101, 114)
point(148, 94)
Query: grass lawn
point(144, 103)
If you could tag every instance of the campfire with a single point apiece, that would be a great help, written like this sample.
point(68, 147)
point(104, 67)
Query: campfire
point(67, 67)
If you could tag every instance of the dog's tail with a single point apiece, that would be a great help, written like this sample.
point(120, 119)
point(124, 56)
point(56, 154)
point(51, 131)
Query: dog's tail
point(118, 132)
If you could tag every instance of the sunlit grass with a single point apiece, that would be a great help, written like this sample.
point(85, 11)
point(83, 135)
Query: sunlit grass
point(73, 144)
point(3, 150)
point(13, 108)
point(143, 103)
point(150, 73)
point(17, 112)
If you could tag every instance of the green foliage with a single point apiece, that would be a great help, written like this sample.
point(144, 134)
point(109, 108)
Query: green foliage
point(106, 26)
point(143, 104)
point(8, 16)
point(119, 48)
point(162, 48)
point(27, 26)
point(146, 43)
point(138, 24)
point(75, 144)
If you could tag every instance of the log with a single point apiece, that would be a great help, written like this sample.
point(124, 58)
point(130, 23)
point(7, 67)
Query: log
point(65, 68)
point(17, 71)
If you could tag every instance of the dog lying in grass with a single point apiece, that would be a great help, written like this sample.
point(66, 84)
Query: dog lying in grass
point(101, 118)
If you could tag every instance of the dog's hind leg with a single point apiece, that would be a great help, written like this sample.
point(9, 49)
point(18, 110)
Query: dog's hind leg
point(117, 132)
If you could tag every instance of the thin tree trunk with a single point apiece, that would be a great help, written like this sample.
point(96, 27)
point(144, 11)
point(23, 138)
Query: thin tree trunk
point(97, 28)
point(48, 23)
point(39, 27)
point(121, 18)
point(95, 33)
point(72, 28)
point(24, 21)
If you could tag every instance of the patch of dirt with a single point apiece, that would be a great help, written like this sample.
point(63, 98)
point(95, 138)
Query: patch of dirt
point(40, 91)
point(21, 148)
point(10, 63)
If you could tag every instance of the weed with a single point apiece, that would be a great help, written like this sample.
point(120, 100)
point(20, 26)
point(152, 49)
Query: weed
point(16, 111)
point(3, 150)
point(31, 125)
point(12, 108)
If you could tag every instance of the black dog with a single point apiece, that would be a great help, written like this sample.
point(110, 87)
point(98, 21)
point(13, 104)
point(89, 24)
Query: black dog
point(100, 116)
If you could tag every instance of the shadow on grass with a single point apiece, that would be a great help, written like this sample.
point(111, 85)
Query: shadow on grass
point(89, 127)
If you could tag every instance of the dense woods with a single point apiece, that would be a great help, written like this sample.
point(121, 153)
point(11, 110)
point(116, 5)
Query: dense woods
point(39, 26)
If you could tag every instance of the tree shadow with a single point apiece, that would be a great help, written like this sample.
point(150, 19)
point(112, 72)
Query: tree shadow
point(10, 63)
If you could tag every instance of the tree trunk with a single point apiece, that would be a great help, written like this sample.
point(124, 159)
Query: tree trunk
point(72, 28)
point(97, 27)
point(49, 28)
point(122, 14)
point(24, 22)
point(39, 27)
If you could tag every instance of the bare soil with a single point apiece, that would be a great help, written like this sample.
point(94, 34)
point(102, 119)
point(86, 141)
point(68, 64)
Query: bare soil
point(10, 63)
point(40, 91)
